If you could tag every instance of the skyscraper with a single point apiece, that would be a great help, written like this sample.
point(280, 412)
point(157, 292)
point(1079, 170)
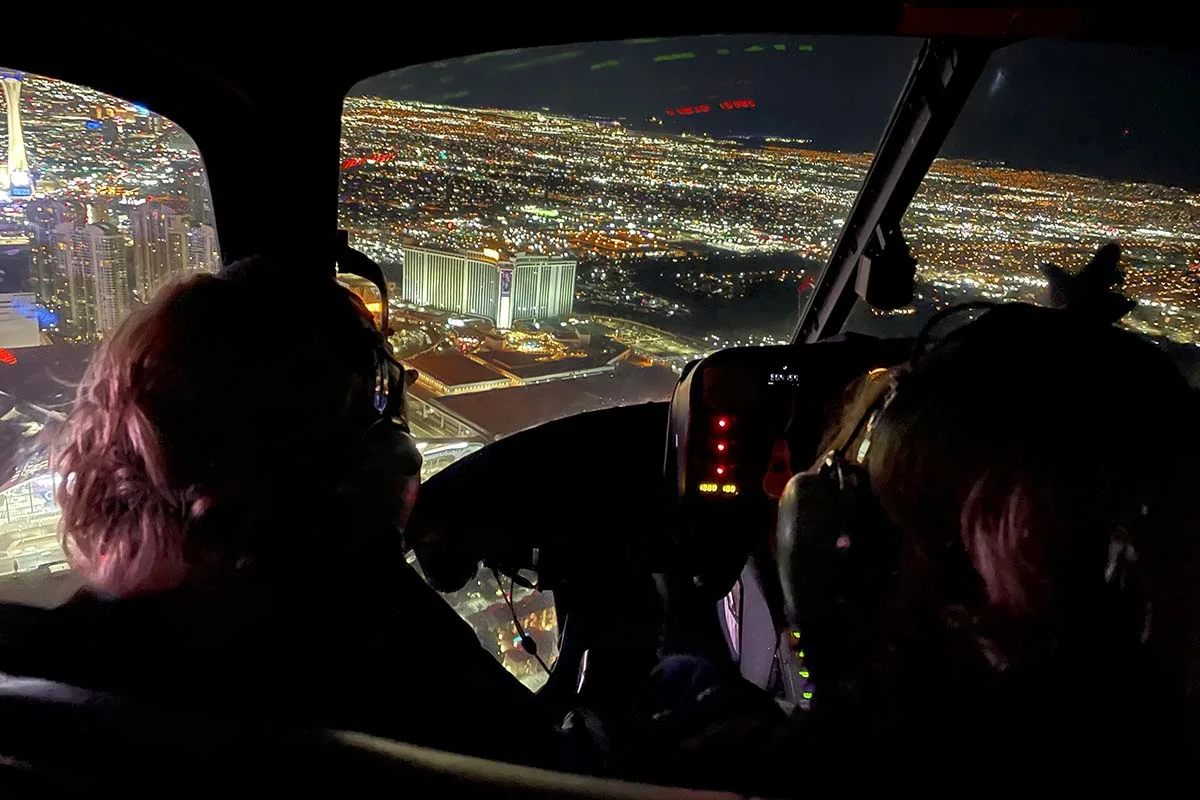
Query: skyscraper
point(153, 226)
point(46, 280)
point(543, 287)
point(17, 179)
point(93, 259)
point(203, 253)
point(177, 250)
point(192, 191)
point(468, 283)
point(528, 287)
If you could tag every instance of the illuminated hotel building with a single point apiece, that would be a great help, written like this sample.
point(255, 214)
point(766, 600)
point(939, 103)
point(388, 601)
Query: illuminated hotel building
point(152, 225)
point(92, 257)
point(482, 285)
point(167, 244)
point(204, 254)
point(543, 287)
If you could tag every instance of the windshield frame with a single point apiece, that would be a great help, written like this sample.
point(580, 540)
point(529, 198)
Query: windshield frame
point(937, 89)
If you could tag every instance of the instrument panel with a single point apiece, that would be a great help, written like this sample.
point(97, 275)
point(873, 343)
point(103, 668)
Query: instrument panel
point(742, 422)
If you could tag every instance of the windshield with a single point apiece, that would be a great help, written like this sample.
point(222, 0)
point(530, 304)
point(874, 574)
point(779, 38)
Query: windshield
point(102, 202)
point(1061, 148)
point(565, 228)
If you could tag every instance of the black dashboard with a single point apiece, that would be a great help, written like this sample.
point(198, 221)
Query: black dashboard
point(641, 538)
point(741, 422)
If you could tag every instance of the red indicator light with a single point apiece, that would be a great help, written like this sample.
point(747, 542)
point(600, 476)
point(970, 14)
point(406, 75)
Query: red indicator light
point(722, 423)
point(720, 447)
point(720, 470)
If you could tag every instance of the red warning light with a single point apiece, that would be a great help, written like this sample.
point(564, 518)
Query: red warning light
point(720, 470)
point(722, 422)
point(720, 447)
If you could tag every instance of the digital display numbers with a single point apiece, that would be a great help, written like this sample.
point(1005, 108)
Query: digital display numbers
point(783, 379)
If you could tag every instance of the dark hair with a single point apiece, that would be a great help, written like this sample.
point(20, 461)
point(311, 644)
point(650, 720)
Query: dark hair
point(214, 421)
point(1018, 449)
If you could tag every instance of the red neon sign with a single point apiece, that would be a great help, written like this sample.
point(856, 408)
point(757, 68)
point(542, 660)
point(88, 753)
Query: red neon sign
point(726, 105)
point(358, 161)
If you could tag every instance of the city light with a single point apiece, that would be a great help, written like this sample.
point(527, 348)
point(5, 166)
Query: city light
point(666, 248)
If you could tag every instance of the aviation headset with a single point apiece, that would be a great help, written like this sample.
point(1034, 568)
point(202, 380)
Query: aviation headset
point(839, 552)
point(388, 446)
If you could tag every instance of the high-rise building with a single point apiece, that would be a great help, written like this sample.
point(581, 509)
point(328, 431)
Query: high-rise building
point(178, 250)
point(192, 191)
point(483, 285)
point(97, 285)
point(204, 255)
point(160, 246)
point(63, 276)
point(16, 178)
point(543, 287)
point(468, 283)
point(46, 281)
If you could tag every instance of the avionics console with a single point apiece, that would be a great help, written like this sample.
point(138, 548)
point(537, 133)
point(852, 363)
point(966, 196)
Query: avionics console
point(730, 415)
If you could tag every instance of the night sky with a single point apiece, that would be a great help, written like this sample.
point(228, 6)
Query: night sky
point(1105, 110)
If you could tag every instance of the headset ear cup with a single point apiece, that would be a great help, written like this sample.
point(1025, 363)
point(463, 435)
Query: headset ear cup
point(387, 475)
point(388, 446)
point(835, 553)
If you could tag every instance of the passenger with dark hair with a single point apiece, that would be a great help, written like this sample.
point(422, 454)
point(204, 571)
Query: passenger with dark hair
point(996, 560)
point(234, 496)
point(1027, 549)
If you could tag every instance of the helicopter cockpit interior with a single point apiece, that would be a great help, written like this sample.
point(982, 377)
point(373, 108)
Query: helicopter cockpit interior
point(631, 279)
